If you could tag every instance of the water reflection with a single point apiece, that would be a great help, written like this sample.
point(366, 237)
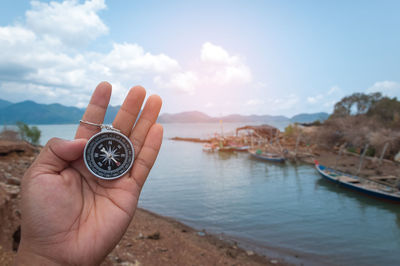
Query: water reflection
point(226, 155)
point(363, 201)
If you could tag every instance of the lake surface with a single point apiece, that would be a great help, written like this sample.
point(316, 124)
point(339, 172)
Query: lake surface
point(285, 208)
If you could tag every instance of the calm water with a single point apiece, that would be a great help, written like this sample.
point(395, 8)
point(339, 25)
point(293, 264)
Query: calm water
point(287, 208)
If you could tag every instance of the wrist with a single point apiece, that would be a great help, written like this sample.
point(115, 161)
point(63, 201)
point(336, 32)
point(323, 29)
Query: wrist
point(28, 257)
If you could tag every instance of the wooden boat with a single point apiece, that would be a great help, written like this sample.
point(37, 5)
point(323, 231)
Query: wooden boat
point(356, 183)
point(225, 149)
point(267, 156)
point(240, 148)
point(208, 147)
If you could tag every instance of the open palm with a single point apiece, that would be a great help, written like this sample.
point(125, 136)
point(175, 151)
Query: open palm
point(68, 215)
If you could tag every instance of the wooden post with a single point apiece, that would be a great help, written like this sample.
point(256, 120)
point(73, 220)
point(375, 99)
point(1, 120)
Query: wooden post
point(339, 154)
point(383, 152)
point(279, 144)
point(222, 128)
point(362, 157)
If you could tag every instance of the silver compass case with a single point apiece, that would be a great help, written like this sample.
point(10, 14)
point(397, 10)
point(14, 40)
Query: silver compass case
point(109, 154)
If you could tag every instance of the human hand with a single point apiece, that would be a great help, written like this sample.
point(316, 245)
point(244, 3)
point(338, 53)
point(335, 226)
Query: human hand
point(69, 216)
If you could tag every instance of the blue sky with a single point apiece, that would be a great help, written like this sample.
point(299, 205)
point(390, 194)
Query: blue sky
point(219, 57)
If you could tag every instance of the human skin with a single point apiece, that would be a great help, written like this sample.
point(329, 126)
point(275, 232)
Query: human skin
point(71, 217)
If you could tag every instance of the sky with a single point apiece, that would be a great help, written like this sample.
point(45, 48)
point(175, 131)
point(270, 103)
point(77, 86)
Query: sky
point(217, 57)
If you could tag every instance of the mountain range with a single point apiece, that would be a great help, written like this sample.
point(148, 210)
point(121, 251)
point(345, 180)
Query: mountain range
point(34, 113)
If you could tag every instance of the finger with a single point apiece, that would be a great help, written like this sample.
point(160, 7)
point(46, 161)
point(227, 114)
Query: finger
point(57, 154)
point(127, 114)
point(95, 111)
point(146, 120)
point(148, 154)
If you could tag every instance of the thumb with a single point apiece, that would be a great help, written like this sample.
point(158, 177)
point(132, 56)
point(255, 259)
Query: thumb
point(57, 153)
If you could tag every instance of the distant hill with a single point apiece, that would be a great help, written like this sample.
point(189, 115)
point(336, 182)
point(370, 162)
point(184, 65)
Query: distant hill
point(199, 117)
point(308, 118)
point(4, 103)
point(186, 117)
point(34, 113)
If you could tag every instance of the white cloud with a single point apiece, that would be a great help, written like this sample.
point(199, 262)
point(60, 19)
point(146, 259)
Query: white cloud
point(324, 101)
point(211, 53)
point(254, 102)
point(223, 69)
point(39, 56)
point(218, 69)
point(181, 81)
point(284, 103)
point(68, 21)
point(315, 99)
point(388, 88)
point(131, 58)
point(334, 89)
point(15, 34)
point(43, 60)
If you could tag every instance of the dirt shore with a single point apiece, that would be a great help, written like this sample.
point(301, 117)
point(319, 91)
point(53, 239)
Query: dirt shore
point(151, 239)
point(388, 172)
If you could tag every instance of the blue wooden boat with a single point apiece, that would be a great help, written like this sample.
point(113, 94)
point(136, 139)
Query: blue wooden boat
point(267, 156)
point(359, 184)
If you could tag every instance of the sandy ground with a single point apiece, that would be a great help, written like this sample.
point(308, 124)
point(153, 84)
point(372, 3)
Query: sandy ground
point(155, 240)
point(150, 239)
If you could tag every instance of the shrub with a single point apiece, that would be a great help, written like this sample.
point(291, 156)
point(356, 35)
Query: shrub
point(352, 149)
point(292, 130)
point(370, 152)
point(30, 134)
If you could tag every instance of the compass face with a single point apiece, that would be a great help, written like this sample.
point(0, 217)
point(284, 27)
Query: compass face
point(109, 155)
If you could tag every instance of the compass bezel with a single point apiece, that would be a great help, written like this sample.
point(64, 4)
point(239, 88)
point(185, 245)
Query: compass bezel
point(89, 156)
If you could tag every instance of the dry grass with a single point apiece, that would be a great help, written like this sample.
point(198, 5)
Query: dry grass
point(356, 132)
point(8, 134)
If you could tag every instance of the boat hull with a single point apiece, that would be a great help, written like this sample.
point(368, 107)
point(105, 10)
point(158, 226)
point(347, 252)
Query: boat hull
point(363, 190)
point(241, 148)
point(269, 159)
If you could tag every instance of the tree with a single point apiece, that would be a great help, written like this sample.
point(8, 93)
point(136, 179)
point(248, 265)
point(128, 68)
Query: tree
point(356, 104)
point(386, 110)
point(31, 134)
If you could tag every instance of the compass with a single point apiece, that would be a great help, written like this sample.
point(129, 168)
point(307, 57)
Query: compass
point(108, 154)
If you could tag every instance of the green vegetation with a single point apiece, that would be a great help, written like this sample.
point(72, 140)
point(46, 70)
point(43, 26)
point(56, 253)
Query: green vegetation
point(370, 151)
point(292, 130)
point(352, 149)
point(386, 110)
point(30, 134)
